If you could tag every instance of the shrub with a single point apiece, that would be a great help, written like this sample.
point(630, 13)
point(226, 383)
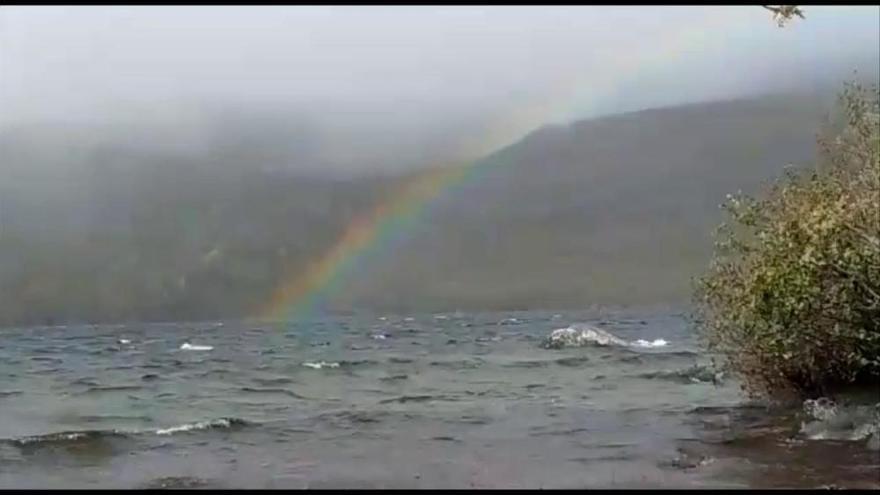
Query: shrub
point(791, 299)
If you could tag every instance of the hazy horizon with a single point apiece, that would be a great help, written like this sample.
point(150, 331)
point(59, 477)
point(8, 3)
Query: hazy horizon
point(179, 162)
point(390, 88)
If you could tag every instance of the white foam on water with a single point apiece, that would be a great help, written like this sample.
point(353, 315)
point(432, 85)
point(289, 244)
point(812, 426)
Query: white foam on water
point(832, 421)
point(580, 335)
point(652, 343)
point(201, 425)
point(322, 364)
point(124, 341)
point(189, 347)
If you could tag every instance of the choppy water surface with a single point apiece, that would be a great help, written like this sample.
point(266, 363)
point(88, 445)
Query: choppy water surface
point(427, 401)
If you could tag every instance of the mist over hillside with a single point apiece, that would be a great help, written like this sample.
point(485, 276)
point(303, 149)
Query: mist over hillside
point(615, 210)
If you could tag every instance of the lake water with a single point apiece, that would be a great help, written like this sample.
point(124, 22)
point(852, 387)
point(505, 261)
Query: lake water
point(396, 401)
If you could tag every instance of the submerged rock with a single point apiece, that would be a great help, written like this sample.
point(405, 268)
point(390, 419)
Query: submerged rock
point(580, 335)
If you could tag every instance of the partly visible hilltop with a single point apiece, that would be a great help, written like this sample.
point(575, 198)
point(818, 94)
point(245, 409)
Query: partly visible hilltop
point(615, 210)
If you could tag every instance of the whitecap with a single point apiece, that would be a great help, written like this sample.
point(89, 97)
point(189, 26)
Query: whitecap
point(322, 364)
point(189, 347)
point(201, 425)
point(124, 341)
point(580, 335)
point(652, 343)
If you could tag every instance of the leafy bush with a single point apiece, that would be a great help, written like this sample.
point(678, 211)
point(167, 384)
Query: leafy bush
point(791, 299)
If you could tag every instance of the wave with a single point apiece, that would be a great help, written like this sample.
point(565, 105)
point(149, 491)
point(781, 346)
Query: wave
point(97, 418)
point(86, 436)
point(349, 419)
point(64, 438)
point(222, 423)
point(189, 347)
point(319, 365)
point(357, 362)
point(652, 343)
point(694, 374)
point(400, 360)
point(280, 380)
point(582, 335)
point(832, 421)
point(417, 398)
point(527, 364)
point(48, 359)
point(282, 391)
point(111, 388)
point(510, 321)
point(393, 378)
point(458, 364)
point(175, 482)
point(572, 362)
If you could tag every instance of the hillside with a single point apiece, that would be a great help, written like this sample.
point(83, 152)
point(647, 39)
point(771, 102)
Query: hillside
point(615, 210)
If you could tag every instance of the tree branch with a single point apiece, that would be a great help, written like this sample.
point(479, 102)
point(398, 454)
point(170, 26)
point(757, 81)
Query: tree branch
point(784, 13)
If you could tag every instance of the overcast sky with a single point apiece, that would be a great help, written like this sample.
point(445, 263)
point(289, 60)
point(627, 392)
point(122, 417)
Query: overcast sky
point(477, 77)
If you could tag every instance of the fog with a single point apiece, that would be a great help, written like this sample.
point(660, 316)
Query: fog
point(182, 163)
point(386, 88)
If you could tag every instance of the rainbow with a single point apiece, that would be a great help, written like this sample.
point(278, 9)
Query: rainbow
point(374, 230)
point(300, 294)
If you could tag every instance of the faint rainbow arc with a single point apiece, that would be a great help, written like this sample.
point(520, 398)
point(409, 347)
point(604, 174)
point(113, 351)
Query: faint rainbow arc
point(300, 294)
